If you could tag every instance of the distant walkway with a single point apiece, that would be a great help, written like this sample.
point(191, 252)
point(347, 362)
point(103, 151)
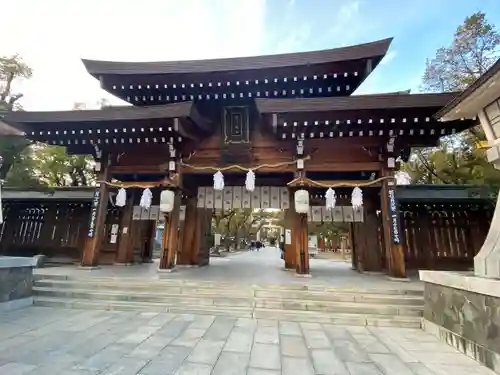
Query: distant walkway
point(252, 267)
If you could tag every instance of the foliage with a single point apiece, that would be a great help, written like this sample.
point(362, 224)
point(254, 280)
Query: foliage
point(452, 164)
point(11, 147)
point(473, 50)
point(48, 166)
point(242, 224)
point(475, 47)
point(11, 69)
point(29, 165)
point(329, 231)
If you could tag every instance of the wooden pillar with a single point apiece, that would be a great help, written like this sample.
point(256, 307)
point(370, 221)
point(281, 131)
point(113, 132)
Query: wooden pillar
point(372, 257)
point(300, 237)
point(290, 249)
point(98, 214)
point(188, 250)
point(354, 250)
point(205, 238)
point(393, 241)
point(170, 235)
point(125, 243)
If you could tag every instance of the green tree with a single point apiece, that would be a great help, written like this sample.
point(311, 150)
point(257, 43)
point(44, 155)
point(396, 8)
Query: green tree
point(475, 47)
point(12, 147)
point(242, 224)
point(473, 50)
point(41, 165)
point(11, 69)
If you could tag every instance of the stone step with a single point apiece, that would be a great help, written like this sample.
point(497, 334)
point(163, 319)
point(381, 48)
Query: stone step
point(133, 296)
point(339, 318)
point(222, 300)
point(298, 316)
point(361, 298)
point(264, 291)
point(343, 296)
point(136, 306)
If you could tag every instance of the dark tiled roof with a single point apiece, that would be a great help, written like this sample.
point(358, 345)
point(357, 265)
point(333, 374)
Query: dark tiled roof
point(360, 51)
point(355, 102)
point(183, 109)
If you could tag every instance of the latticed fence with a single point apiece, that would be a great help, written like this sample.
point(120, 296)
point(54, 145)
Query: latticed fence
point(50, 228)
point(444, 236)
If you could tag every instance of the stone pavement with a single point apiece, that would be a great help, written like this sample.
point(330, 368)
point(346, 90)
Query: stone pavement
point(72, 342)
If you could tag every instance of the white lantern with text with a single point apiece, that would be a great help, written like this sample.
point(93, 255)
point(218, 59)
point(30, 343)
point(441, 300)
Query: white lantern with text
point(167, 201)
point(301, 201)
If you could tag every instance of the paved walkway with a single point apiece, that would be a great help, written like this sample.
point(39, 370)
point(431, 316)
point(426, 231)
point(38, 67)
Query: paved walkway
point(46, 341)
point(255, 267)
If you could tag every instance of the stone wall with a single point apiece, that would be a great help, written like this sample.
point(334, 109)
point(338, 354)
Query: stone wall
point(16, 283)
point(471, 321)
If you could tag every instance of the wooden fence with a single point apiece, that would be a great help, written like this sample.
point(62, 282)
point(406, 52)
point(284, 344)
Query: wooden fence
point(436, 236)
point(444, 236)
point(55, 229)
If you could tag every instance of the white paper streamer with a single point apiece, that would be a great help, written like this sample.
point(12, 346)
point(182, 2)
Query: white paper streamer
point(218, 181)
point(121, 198)
point(402, 178)
point(357, 198)
point(250, 181)
point(331, 199)
point(146, 199)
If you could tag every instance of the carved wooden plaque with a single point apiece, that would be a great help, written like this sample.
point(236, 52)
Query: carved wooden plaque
point(236, 125)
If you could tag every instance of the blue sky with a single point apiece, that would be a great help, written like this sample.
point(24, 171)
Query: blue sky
point(419, 28)
point(53, 35)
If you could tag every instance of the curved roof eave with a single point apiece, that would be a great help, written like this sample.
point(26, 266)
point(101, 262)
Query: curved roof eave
point(354, 102)
point(361, 51)
point(122, 113)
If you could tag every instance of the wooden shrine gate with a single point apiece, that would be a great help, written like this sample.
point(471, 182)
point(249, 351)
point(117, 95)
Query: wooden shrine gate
point(440, 231)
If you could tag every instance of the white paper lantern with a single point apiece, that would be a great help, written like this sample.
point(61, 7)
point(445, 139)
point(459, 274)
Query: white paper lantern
point(167, 201)
point(121, 198)
point(301, 201)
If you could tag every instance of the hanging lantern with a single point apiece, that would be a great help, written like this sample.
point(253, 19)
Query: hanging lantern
point(331, 199)
point(121, 198)
point(250, 181)
point(357, 198)
point(167, 201)
point(301, 198)
point(218, 181)
point(146, 199)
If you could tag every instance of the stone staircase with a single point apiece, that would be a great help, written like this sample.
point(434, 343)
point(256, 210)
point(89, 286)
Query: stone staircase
point(293, 302)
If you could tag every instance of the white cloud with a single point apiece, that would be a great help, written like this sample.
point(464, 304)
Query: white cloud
point(53, 36)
